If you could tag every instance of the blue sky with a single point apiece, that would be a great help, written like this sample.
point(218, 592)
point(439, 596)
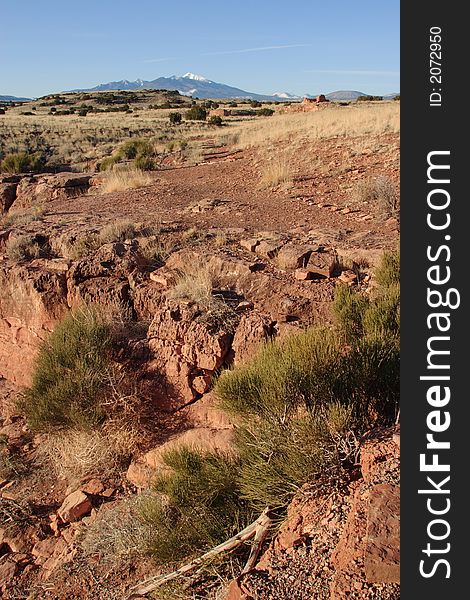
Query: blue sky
point(297, 46)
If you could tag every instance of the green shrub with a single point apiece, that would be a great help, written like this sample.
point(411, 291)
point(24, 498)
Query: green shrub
point(255, 104)
point(277, 458)
point(70, 378)
point(297, 371)
point(22, 162)
point(175, 118)
point(197, 504)
point(135, 148)
point(144, 163)
point(301, 405)
point(265, 112)
point(388, 272)
point(349, 308)
point(215, 120)
point(108, 162)
point(369, 98)
point(196, 113)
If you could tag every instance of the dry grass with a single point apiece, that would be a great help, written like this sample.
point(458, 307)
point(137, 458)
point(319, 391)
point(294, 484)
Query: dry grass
point(276, 172)
point(119, 180)
point(197, 282)
point(117, 532)
point(23, 217)
point(23, 248)
point(75, 454)
point(381, 193)
point(81, 142)
point(345, 121)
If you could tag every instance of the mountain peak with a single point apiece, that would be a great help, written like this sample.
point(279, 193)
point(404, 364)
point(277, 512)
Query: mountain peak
point(194, 77)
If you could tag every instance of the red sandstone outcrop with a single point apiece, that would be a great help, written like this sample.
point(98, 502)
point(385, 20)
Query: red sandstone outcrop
point(187, 346)
point(38, 189)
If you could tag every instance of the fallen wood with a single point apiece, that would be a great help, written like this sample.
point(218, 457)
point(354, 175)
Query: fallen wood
point(258, 528)
point(260, 537)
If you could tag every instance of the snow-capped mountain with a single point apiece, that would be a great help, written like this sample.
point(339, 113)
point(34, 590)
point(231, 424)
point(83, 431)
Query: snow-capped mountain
point(285, 96)
point(188, 84)
point(196, 77)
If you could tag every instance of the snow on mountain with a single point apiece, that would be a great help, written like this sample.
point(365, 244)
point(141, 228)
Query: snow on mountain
point(196, 77)
point(285, 95)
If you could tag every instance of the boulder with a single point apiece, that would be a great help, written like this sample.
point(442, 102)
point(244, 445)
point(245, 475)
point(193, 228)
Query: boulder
point(7, 196)
point(249, 244)
point(348, 277)
point(322, 263)
point(268, 249)
point(75, 506)
point(294, 256)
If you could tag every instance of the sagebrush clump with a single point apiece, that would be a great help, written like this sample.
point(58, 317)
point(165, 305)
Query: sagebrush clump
point(72, 374)
point(301, 405)
point(197, 504)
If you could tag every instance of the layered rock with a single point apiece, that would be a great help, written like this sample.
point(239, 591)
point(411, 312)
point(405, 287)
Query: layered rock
point(187, 348)
point(38, 189)
point(32, 300)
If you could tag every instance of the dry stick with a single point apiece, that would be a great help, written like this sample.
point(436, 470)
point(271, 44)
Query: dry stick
point(260, 536)
point(261, 525)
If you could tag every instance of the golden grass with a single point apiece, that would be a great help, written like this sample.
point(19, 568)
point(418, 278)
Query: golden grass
point(276, 172)
point(344, 121)
point(119, 180)
point(75, 454)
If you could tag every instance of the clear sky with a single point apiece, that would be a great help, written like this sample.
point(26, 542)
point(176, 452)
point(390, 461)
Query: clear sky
point(298, 46)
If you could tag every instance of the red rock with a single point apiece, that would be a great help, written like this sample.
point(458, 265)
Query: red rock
point(250, 244)
point(268, 249)
point(74, 507)
point(182, 346)
point(8, 571)
point(322, 263)
point(382, 547)
point(162, 276)
point(201, 384)
point(294, 256)
point(253, 330)
point(93, 487)
point(143, 470)
point(36, 189)
point(7, 196)
point(303, 274)
point(236, 591)
point(44, 548)
point(348, 277)
point(26, 322)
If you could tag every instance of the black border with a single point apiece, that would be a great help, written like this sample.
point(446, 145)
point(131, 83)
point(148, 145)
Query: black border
point(426, 128)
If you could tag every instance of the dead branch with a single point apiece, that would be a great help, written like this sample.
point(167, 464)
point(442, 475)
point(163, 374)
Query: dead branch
point(258, 528)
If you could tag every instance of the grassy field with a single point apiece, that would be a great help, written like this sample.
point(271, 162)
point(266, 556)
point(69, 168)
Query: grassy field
point(76, 131)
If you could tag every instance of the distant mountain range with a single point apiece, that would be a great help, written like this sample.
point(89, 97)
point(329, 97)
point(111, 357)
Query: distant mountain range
point(188, 84)
point(198, 86)
point(13, 99)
